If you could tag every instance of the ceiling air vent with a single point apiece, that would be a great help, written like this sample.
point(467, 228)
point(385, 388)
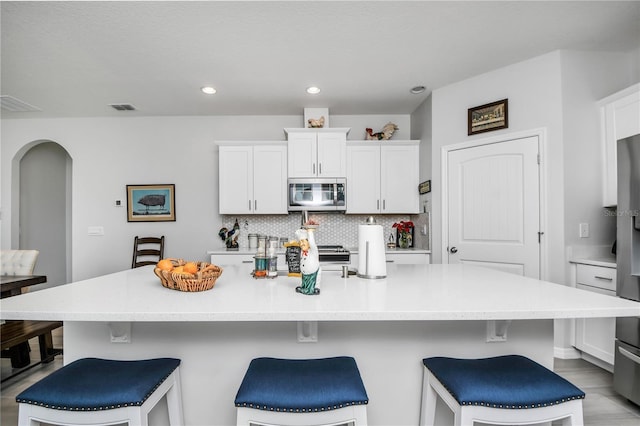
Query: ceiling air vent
point(123, 107)
point(12, 104)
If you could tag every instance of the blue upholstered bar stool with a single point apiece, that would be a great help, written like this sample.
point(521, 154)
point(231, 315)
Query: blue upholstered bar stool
point(509, 389)
point(100, 392)
point(302, 392)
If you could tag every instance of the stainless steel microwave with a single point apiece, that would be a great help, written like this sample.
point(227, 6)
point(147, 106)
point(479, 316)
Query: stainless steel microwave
point(323, 194)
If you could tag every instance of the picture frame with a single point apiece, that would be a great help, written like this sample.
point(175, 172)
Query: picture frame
point(488, 117)
point(151, 203)
point(424, 187)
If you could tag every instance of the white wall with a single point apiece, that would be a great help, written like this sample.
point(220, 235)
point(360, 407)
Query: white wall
point(109, 153)
point(533, 90)
point(588, 77)
point(556, 92)
point(421, 129)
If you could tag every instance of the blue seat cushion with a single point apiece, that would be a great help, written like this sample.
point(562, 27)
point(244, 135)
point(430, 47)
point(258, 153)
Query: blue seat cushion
point(90, 384)
point(301, 385)
point(510, 381)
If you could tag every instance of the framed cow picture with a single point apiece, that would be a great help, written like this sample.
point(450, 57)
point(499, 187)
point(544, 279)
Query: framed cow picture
point(151, 203)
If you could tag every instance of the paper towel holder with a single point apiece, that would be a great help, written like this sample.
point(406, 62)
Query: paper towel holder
point(369, 253)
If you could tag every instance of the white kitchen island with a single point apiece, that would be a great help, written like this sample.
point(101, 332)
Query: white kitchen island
point(388, 325)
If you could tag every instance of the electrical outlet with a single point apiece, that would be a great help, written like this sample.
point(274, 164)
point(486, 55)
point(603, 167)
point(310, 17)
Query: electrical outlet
point(584, 230)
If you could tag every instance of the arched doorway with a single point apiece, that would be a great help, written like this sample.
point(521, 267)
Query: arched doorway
point(45, 209)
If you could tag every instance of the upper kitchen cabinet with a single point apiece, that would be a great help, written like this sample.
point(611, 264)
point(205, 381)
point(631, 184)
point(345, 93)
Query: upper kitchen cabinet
point(620, 117)
point(317, 153)
point(383, 177)
point(253, 178)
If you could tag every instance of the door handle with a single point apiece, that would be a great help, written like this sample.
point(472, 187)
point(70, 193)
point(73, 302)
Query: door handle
point(453, 250)
point(627, 354)
point(598, 277)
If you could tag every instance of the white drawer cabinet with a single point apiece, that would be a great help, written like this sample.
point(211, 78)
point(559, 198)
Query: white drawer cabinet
point(238, 258)
point(408, 258)
point(400, 258)
point(596, 276)
point(596, 336)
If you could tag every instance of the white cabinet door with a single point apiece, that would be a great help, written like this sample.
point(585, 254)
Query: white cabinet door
point(235, 180)
point(399, 179)
point(363, 179)
point(382, 179)
point(331, 154)
point(620, 119)
point(303, 154)
point(231, 259)
point(317, 153)
point(253, 179)
point(270, 179)
point(596, 336)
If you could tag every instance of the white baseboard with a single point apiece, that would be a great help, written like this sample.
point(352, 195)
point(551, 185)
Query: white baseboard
point(566, 353)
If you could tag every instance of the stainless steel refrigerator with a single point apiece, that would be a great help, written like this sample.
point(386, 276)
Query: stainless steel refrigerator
point(626, 374)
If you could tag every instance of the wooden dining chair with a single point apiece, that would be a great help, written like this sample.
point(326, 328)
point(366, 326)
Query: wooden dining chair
point(15, 334)
point(147, 251)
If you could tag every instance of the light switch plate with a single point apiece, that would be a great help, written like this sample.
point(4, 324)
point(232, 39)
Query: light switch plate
point(95, 230)
point(584, 230)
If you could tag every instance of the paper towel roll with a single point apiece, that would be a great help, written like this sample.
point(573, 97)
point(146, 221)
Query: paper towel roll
point(372, 261)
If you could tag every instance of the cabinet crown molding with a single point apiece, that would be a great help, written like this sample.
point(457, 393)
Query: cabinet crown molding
point(288, 130)
point(250, 143)
point(390, 142)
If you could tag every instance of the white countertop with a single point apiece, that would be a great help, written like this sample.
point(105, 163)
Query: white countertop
point(353, 250)
point(607, 262)
point(410, 292)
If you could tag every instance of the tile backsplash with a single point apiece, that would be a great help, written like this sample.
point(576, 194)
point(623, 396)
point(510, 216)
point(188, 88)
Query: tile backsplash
point(334, 228)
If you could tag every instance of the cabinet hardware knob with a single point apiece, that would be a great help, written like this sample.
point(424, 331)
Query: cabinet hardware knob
point(603, 278)
point(453, 250)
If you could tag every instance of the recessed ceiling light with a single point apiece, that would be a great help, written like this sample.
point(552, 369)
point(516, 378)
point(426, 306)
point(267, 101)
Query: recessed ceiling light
point(417, 90)
point(313, 90)
point(208, 90)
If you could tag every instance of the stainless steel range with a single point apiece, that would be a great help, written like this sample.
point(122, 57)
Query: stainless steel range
point(335, 254)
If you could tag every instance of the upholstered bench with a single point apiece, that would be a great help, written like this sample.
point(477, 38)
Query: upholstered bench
point(100, 391)
point(509, 389)
point(302, 392)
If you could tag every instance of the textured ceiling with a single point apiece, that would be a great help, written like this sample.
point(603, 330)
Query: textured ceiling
point(75, 58)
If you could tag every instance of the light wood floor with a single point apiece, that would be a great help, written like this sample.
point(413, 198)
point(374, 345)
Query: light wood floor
point(602, 405)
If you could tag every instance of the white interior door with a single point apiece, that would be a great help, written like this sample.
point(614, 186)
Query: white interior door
point(494, 206)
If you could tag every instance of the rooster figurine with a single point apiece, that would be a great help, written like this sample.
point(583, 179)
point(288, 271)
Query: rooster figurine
point(230, 236)
point(385, 134)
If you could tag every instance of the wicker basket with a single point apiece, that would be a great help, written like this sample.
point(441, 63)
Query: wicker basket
point(199, 281)
point(165, 276)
